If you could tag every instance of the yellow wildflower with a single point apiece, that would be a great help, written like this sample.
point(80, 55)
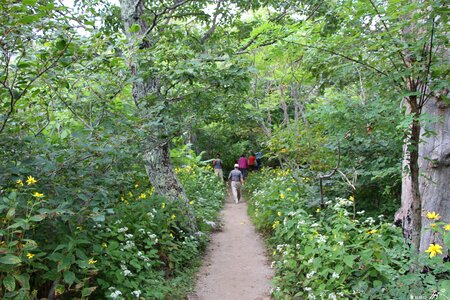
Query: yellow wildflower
point(351, 198)
point(433, 216)
point(282, 196)
point(434, 249)
point(171, 235)
point(173, 217)
point(372, 231)
point(318, 210)
point(38, 195)
point(279, 213)
point(31, 180)
point(163, 205)
point(433, 225)
point(447, 227)
point(136, 185)
point(275, 224)
point(142, 196)
point(30, 255)
point(19, 182)
point(104, 245)
point(92, 261)
point(191, 202)
point(289, 189)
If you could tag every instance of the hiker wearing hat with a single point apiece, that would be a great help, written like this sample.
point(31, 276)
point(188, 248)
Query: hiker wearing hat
point(237, 179)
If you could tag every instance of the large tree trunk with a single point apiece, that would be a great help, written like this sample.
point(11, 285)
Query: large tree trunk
point(433, 162)
point(156, 149)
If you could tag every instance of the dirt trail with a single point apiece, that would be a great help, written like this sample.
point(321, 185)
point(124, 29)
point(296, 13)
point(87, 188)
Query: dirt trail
point(236, 266)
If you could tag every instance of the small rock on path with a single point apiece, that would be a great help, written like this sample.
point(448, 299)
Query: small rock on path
point(236, 266)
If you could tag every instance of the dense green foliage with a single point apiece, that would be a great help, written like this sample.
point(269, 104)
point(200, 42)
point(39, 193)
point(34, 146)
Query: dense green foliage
point(295, 80)
point(337, 252)
point(137, 240)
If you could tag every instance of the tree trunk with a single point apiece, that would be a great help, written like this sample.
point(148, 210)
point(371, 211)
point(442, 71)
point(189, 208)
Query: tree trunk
point(432, 183)
point(434, 163)
point(156, 149)
point(164, 180)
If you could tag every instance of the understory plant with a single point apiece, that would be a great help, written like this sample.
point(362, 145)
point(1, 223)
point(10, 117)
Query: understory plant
point(136, 247)
point(334, 253)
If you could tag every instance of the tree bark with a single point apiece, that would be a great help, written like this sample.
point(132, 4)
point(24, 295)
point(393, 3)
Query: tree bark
point(156, 153)
point(428, 177)
point(434, 163)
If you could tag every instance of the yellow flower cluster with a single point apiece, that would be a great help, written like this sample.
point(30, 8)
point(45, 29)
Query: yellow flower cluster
point(433, 216)
point(275, 224)
point(434, 249)
point(38, 195)
point(31, 180)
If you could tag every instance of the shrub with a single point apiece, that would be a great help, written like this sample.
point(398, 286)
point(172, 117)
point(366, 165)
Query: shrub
point(135, 246)
point(331, 253)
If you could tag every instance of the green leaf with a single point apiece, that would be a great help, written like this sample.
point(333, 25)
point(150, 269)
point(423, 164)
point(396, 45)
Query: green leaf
point(135, 28)
point(69, 277)
point(37, 218)
point(87, 291)
point(11, 213)
point(99, 218)
point(66, 262)
point(60, 44)
point(29, 2)
point(24, 280)
point(28, 19)
point(10, 283)
point(10, 259)
point(349, 260)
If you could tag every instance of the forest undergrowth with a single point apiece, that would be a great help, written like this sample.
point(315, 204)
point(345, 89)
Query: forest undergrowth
point(336, 252)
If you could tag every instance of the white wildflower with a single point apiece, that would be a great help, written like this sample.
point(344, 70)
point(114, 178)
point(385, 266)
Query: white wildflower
point(332, 296)
point(210, 223)
point(306, 288)
point(128, 236)
point(360, 212)
point(335, 275)
point(115, 294)
point(321, 239)
point(310, 274)
point(137, 293)
point(123, 229)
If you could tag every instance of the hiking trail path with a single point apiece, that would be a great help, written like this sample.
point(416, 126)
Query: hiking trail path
point(235, 266)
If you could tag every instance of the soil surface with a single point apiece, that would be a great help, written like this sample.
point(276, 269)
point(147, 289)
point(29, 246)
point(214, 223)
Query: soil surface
point(235, 266)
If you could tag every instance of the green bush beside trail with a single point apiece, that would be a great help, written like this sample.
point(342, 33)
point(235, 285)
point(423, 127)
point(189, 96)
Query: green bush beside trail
point(336, 253)
point(136, 248)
